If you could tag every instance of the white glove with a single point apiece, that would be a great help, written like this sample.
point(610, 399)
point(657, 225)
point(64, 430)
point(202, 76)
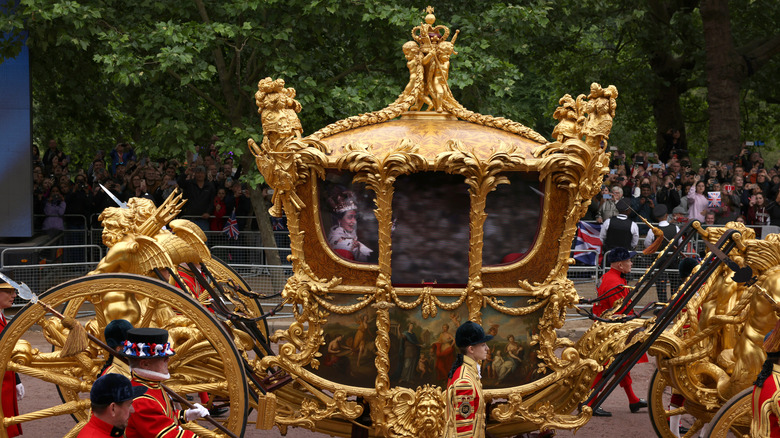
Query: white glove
point(19, 391)
point(197, 412)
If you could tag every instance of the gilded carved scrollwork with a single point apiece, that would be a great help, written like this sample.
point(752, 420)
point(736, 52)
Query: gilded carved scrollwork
point(711, 357)
point(379, 173)
point(571, 169)
point(542, 414)
point(428, 61)
point(312, 410)
point(576, 162)
point(286, 162)
point(204, 357)
point(283, 158)
point(301, 345)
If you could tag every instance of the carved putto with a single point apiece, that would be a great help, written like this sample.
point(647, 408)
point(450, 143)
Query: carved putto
point(278, 110)
point(138, 243)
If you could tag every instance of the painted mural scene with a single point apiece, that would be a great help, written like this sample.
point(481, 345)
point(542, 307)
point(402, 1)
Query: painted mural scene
point(422, 351)
point(467, 220)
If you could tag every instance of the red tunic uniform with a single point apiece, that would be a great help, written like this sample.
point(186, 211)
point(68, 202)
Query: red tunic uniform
point(191, 283)
point(465, 403)
point(154, 416)
point(609, 280)
point(97, 428)
point(766, 407)
point(612, 279)
point(10, 405)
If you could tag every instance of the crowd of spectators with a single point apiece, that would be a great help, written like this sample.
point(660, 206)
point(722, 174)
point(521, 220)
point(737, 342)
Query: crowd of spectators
point(63, 194)
point(749, 191)
point(742, 189)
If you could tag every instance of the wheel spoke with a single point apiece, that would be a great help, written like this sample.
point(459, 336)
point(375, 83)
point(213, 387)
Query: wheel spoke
point(73, 433)
point(49, 376)
point(67, 408)
point(207, 361)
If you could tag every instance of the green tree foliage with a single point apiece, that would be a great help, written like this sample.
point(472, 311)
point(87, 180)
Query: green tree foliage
point(169, 75)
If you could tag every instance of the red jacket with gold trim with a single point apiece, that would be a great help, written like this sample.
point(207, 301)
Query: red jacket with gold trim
point(154, 416)
point(465, 403)
point(97, 428)
point(766, 407)
point(611, 279)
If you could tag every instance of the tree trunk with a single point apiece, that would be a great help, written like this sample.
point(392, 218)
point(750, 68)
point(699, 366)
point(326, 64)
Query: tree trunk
point(725, 70)
point(235, 102)
point(264, 226)
point(670, 66)
point(667, 113)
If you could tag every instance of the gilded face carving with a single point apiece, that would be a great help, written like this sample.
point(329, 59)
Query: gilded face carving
point(283, 123)
point(430, 414)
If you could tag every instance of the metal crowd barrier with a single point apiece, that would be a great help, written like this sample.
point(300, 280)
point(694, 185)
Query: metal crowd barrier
point(584, 273)
point(47, 266)
point(76, 231)
point(643, 261)
point(43, 267)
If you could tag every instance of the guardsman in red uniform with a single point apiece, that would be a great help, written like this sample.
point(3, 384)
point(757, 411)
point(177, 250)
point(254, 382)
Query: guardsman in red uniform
point(13, 389)
point(111, 398)
point(148, 350)
point(612, 285)
point(465, 402)
point(766, 392)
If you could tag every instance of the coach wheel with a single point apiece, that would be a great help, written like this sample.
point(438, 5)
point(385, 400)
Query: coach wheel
point(206, 358)
point(733, 419)
point(659, 401)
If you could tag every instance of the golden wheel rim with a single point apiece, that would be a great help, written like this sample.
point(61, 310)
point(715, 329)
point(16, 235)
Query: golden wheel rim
point(733, 419)
point(659, 396)
point(205, 353)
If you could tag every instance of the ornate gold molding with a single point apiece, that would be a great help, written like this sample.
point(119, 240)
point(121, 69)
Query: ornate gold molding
point(571, 168)
point(412, 413)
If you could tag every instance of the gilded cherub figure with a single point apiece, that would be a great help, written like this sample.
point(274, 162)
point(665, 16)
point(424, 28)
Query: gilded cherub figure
point(601, 110)
point(436, 52)
point(414, 62)
point(437, 86)
point(569, 119)
point(278, 111)
point(763, 256)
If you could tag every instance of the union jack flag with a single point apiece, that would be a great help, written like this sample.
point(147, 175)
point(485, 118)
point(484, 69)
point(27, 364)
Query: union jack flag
point(587, 240)
point(279, 223)
point(231, 227)
point(713, 199)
